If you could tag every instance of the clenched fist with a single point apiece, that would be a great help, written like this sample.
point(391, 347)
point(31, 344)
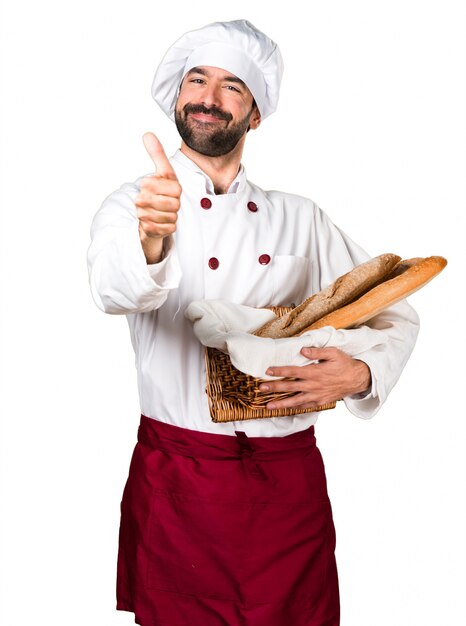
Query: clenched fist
point(158, 202)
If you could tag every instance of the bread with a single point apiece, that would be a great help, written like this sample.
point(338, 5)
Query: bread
point(345, 289)
point(399, 268)
point(406, 278)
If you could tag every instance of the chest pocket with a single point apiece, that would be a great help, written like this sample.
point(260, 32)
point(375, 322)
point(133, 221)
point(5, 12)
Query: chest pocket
point(291, 278)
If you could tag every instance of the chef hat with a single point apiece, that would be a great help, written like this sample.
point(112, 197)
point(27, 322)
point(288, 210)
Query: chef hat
point(237, 47)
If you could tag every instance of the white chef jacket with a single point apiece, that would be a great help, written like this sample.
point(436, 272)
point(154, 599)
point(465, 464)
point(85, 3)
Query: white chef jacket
point(249, 246)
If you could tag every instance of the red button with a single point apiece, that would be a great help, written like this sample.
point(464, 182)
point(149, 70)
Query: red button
point(264, 259)
point(213, 263)
point(206, 203)
point(252, 206)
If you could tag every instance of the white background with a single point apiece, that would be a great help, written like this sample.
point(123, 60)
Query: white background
point(370, 126)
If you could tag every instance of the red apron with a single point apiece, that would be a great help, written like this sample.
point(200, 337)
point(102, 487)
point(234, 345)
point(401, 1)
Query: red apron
point(226, 531)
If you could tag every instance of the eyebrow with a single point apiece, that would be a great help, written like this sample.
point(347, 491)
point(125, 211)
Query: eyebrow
point(230, 79)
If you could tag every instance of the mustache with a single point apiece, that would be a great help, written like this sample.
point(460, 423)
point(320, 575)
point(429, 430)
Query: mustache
point(214, 112)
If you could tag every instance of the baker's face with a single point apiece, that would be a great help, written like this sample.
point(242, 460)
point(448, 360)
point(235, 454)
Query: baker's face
point(214, 110)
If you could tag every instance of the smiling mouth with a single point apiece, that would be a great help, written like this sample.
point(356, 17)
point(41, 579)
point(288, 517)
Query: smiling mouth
point(206, 118)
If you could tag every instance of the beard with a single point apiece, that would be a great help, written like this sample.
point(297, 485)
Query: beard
point(206, 138)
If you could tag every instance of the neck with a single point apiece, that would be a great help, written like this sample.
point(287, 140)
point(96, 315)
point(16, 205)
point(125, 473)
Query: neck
point(221, 170)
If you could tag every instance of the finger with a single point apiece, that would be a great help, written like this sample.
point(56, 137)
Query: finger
point(157, 154)
point(319, 354)
point(157, 217)
point(287, 371)
point(160, 186)
point(157, 203)
point(299, 401)
point(150, 229)
point(281, 386)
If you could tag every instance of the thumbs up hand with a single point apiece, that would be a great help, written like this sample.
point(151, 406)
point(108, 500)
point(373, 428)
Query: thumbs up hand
point(158, 201)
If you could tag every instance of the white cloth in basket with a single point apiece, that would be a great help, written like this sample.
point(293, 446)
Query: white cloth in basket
point(227, 326)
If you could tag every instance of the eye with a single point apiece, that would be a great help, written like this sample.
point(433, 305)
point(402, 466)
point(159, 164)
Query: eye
point(232, 88)
point(198, 81)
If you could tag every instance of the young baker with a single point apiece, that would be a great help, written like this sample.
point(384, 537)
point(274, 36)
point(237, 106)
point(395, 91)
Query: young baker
point(230, 523)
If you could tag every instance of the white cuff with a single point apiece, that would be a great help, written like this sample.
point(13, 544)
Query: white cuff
point(166, 273)
point(365, 405)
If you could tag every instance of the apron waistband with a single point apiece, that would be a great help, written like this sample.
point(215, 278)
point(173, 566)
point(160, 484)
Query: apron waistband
point(193, 443)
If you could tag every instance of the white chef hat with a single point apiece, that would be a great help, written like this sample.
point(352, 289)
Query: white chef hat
point(237, 47)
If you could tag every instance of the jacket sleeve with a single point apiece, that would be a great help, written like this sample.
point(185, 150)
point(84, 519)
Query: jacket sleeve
point(121, 281)
point(336, 255)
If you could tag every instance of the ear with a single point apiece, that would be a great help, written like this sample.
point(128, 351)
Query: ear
point(255, 118)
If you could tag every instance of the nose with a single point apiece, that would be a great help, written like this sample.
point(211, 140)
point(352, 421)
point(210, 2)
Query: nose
point(211, 95)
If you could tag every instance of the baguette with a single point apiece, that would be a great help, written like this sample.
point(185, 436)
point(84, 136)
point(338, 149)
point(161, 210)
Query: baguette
point(399, 268)
point(406, 278)
point(344, 290)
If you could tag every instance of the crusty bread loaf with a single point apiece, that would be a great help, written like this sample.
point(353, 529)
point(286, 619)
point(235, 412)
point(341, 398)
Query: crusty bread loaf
point(407, 277)
point(399, 268)
point(345, 289)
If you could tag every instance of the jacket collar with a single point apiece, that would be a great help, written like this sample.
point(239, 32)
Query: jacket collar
point(236, 186)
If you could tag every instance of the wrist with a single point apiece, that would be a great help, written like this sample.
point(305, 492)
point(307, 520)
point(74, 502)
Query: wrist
point(153, 248)
point(363, 377)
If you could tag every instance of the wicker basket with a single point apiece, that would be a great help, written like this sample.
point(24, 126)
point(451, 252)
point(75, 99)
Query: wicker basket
point(235, 396)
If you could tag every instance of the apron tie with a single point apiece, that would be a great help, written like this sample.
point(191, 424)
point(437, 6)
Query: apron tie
point(247, 456)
